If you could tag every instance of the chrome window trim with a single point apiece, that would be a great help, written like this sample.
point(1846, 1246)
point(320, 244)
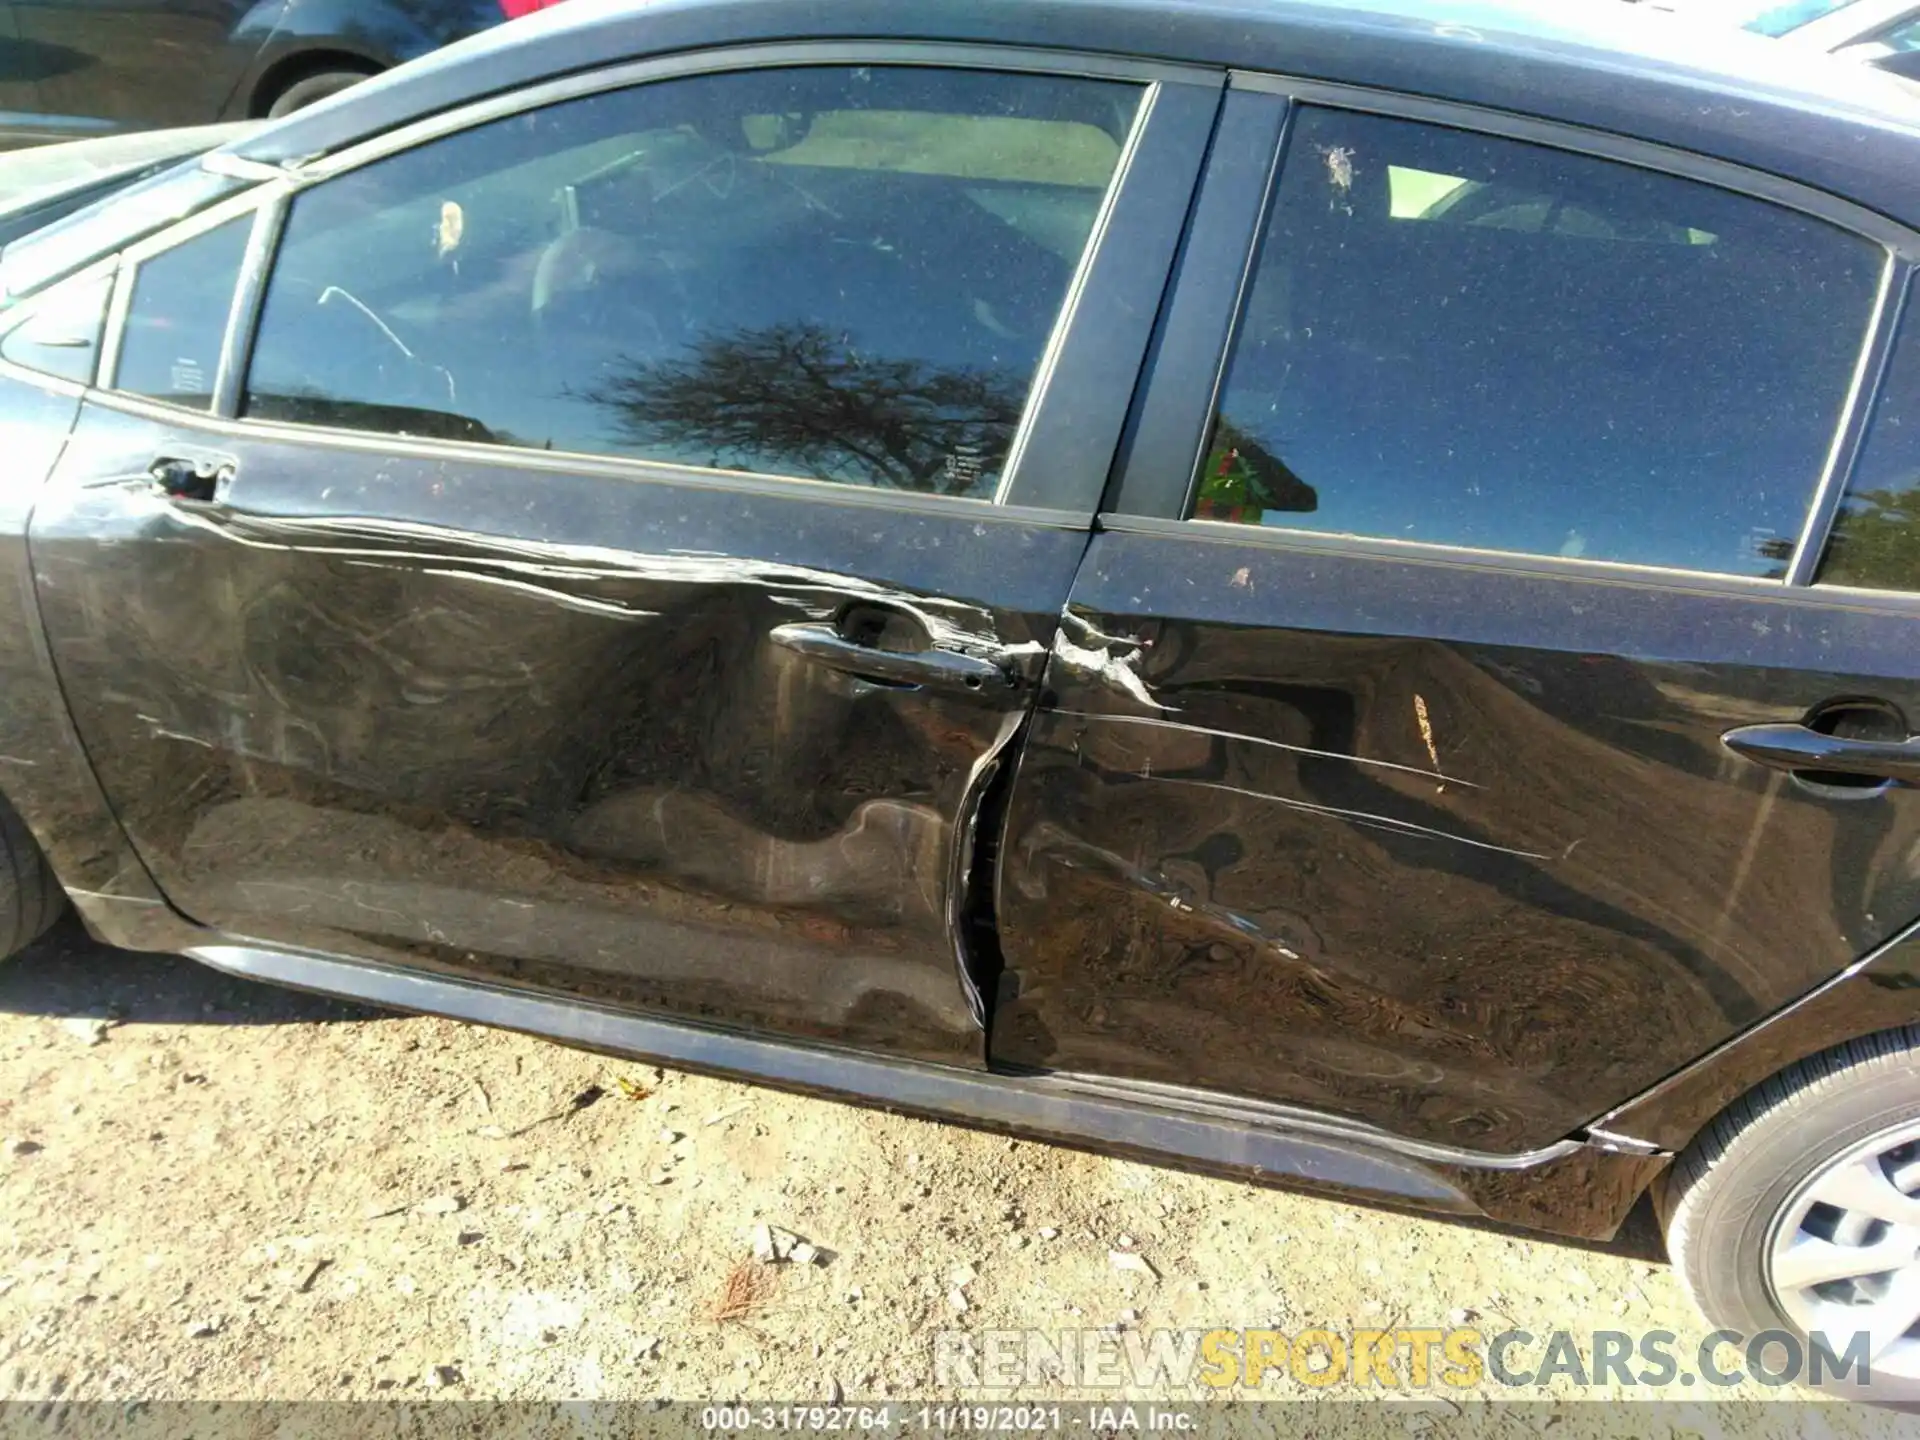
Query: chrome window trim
point(1433, 552)
point(1864, 597)
point(211, 218)
point(578, 463)
point(256, 265)
point(53, 383)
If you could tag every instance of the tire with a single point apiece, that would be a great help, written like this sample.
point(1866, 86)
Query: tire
point(306, 91)
point(30, 898)
point(1801, 1164)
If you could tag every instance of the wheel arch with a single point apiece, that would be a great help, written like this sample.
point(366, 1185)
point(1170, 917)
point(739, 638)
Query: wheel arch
point(1878, 994)
point(291, 68)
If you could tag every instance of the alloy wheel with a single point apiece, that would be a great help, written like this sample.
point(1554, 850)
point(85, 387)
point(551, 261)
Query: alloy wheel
point(1844, 1255)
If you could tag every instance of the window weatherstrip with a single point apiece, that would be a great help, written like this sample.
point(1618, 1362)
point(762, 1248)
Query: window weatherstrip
point(107, 371)
point(1849, 437)
point(576, 463)
point(1066, 64)
point(236, 345)
point(1623, 149)
point(1441, 552)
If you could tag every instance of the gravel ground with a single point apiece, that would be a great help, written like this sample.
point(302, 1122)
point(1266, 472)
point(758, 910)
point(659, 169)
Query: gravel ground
point(215, 1190)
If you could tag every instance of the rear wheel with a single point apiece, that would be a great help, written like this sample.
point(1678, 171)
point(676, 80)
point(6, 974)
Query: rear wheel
point(1799, 1209)
point(306, 91)
point(30, 898)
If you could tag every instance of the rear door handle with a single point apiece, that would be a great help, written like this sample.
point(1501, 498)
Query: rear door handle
point(933, 668)
point(1795, 747)
point(179, 478)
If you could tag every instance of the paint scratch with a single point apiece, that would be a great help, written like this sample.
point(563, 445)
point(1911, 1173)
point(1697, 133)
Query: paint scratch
point(1426, 734)
point(1360, 817)
point(1157, 722)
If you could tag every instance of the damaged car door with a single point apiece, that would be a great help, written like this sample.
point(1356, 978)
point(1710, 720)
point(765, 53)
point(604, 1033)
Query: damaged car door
point(609, 546)
point(1383, 772)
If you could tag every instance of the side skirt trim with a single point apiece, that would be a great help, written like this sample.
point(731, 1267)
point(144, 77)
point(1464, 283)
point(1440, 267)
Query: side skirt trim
point(1233, 1141)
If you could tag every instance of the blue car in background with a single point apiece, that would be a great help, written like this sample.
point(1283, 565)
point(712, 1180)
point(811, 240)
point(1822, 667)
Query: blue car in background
point(70, 69)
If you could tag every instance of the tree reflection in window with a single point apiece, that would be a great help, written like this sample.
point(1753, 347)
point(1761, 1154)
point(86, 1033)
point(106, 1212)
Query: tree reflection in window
point(1876, 541)
point(1876, 534)
point(791, 399)
point(1242, 480)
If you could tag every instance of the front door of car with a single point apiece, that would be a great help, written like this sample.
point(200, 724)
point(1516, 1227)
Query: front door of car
point(628, 550)
point(1385, 770)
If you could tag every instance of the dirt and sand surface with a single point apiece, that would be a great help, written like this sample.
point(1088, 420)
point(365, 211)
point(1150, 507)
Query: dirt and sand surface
point(216, 1190)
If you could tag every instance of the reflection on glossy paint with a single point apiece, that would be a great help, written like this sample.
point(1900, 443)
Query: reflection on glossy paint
point(1358, 817)
point(1297, 903)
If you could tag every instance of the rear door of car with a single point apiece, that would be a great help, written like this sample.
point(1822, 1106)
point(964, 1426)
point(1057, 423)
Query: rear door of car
point(608, 543)
point(1476, 499)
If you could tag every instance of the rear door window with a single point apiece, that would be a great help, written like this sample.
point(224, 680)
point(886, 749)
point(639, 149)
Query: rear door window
point(841, 274)
point(1467, 340)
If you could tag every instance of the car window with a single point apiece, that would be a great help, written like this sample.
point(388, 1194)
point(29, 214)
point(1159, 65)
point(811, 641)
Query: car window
point(1902, 37)
point(1783, 19)
point(1472, 341)
point(1875, 541)
point(177, 317)
point(61, 335)
point(842, 274)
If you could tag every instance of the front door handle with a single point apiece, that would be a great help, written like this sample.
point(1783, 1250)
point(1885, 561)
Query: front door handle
point(1795, 747)
point(205, 481)
point(933, 668)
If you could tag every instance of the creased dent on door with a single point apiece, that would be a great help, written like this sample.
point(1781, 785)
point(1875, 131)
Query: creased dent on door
point(1107, 660)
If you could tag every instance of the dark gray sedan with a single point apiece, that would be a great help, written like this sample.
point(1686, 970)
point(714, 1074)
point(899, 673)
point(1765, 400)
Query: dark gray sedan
point(1325, 592)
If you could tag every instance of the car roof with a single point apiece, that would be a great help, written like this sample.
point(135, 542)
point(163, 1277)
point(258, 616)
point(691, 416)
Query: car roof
point(1598, 63)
